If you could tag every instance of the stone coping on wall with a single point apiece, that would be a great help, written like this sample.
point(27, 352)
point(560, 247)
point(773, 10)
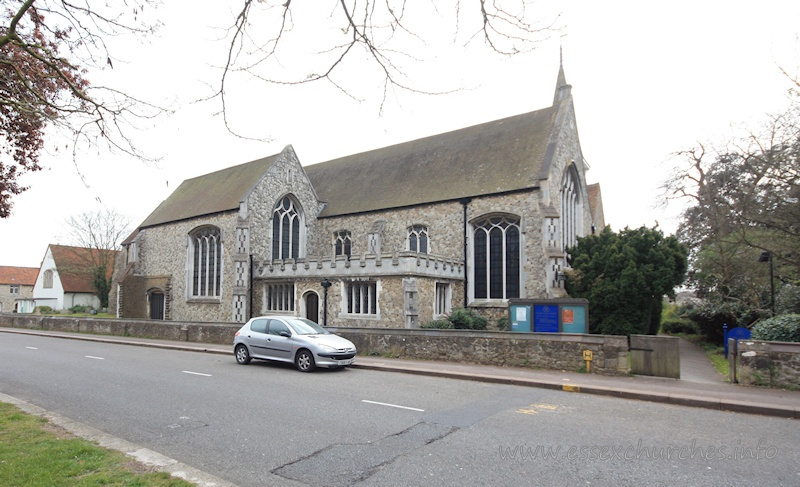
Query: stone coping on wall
point(536, 350)
point(214, 333)
point(763, 363)
point(559, 337)
point(551, 351)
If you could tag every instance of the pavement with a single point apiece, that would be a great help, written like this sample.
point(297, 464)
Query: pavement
point(700, 384)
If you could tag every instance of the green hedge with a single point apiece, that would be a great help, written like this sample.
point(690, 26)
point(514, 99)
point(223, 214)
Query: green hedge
point(439, 324)
point(783, 328)
point(459, 319)
point(678, 325)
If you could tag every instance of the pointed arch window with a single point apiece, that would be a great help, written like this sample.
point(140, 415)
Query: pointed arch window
point(571, 208)
point(418, 239)
point(47, 279)
point(496, 264)
point(286, 229)
point(342, 243)
point(206, 262)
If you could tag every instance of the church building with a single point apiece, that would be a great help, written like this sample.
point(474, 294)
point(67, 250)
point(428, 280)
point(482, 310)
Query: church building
point(392, 237)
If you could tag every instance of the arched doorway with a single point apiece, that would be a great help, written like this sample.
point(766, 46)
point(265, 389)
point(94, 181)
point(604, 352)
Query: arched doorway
point(157, 302)
point(311, 301)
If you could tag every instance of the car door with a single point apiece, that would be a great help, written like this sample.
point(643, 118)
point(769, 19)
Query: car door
point(257, 338)
point(280, 347)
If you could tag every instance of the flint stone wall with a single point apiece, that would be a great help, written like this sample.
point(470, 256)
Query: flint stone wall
point(215, 333)
point(535, 350)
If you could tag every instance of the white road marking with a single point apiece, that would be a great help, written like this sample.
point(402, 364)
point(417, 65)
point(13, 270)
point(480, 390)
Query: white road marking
point(95, 358)
point(196, 373)
point(392, 405)
point(32, 348)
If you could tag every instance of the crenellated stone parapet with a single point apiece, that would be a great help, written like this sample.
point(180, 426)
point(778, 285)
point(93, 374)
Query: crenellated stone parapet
point(364, 266)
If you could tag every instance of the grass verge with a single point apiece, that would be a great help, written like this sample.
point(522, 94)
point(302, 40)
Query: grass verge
point(34, 452)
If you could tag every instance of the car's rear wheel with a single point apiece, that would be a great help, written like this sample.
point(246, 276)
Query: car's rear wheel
point(304, 361)
point(242, 355)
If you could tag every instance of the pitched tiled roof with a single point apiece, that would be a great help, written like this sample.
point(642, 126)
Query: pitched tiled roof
point(494, 157)
point(25, 276)
point(211, 193)
point(74, 266)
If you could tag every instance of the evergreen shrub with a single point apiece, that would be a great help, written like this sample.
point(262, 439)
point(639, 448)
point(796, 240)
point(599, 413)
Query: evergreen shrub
point(783, 328)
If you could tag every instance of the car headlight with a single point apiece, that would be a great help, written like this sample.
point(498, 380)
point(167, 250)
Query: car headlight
point(327, 348)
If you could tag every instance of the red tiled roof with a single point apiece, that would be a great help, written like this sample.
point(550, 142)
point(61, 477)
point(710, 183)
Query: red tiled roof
point(74, 266)
point(25, 276)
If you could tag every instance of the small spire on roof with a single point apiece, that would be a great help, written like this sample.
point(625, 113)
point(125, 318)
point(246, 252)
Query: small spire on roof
point(562, 87)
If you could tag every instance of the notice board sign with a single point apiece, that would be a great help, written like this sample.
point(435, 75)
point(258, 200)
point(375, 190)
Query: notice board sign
point(521, 318)
point(573, 319)
point(545, 318)
point(561, 315)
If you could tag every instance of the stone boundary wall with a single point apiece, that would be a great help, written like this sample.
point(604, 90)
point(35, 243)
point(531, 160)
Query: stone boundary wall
point(535, 350)
point(221, 334)
point(774, 364)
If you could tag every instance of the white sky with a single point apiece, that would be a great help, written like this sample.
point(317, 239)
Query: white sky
point(647, 81)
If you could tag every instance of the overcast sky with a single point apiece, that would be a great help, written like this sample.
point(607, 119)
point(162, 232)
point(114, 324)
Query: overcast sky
point(647, 80)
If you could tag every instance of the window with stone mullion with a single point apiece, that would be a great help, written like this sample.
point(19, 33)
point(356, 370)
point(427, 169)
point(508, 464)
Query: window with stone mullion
point(285, 230)
point(362, 298)
point(206, 262)
point(342, 243)
point(496, 265)
point(418, 239)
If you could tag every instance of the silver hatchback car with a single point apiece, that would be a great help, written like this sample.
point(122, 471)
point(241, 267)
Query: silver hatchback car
point(291, 339)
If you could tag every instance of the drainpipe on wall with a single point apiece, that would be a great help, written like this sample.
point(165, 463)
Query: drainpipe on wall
point(464, 202)
point(250, 289)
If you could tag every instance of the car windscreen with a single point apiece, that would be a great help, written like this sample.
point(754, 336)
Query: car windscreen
point(307, 327)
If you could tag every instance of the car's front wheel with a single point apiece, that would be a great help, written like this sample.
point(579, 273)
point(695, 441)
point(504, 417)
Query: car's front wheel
point(304, 361)
point(242, 355)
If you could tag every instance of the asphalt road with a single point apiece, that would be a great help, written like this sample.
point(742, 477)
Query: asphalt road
point(267, 424)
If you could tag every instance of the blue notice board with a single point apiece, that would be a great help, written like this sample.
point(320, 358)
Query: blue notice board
point(545, 318)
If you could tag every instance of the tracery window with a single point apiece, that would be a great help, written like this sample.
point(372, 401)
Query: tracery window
point(206, 262)
point(571, 208)
point(496, 265)
point(342, 243)
point(286, 223)
point(418, 239)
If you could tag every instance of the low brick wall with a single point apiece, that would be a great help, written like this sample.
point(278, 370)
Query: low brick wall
point(165, 330)
point(775, 364)
point(535, 350)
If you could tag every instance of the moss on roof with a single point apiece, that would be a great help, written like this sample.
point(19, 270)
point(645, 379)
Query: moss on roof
point(494, 157)
point(211, 193)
